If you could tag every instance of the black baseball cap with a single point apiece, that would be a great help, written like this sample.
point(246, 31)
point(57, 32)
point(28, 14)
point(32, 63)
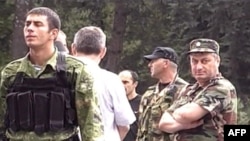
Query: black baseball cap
point(163, 52)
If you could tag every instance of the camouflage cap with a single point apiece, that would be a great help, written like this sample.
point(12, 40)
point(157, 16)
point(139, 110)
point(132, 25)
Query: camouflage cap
point(204, 45)
point(163, 52)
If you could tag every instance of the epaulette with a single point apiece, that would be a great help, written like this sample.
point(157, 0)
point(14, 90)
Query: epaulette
point(180, 81)
point(15, 63)
point(152, 87)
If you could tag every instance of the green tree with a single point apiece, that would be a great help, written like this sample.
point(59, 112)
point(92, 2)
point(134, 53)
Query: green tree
point(18, 46)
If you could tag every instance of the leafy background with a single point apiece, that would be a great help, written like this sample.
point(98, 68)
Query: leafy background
point(134, 28)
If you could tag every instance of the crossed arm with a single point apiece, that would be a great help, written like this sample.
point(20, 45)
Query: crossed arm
point(186, 117)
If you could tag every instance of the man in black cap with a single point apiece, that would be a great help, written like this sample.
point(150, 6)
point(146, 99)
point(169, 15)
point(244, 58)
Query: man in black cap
point(163, 66)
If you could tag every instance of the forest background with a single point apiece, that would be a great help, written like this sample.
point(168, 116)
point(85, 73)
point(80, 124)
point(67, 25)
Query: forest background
point(135, 27)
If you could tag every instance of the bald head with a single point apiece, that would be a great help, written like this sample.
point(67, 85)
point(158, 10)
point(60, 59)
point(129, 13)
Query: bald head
point(130, 81)
point(61, 42)
point(129, 74)
point(62, 37)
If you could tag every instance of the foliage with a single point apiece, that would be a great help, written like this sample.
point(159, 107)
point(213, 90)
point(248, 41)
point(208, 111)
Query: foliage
point(4, 58)
point(152, 23)
point(6, 19)
point(243, 110)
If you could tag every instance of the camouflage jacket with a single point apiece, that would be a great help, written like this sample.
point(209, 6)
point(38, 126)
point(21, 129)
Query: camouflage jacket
point(220, 99)
point(153, 104)
point(87, 106)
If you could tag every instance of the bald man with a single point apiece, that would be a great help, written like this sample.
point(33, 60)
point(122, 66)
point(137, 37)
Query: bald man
point(130, 81)
point(61, 42)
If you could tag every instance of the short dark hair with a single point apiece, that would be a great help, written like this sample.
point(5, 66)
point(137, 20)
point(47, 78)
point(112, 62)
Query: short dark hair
point(52, 17)
point(90, 40)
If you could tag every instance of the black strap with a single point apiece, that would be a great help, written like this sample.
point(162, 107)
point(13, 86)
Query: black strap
point(61, 62)
point(18, 79)
point(70, 81)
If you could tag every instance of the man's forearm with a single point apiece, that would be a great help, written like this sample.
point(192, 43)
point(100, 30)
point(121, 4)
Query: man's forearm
point(180, 118)
point(170, 125)
point(123, 130)
point(189, 113)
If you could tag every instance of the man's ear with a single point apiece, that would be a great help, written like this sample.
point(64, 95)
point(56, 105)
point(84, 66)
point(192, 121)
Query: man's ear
point(167, 62)
point(218, 60)
point(54, 33)
point(103, 52)
point(73, 49)
point(136, 83)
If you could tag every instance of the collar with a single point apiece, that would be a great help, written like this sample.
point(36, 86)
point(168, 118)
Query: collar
point(211, 81)
point(196, 87)
point(26, 63)
point(87, 60)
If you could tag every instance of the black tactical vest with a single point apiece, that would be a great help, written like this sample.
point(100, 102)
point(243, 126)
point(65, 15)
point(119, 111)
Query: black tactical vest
point(42, 104)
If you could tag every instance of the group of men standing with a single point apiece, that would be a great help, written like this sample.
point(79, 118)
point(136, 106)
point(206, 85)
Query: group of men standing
point(174, 110)
point(53, 96)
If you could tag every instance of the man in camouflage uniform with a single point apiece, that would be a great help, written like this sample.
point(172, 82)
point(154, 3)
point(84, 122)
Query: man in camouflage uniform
point(47, 96)
point(210, 103)
point(163, 66)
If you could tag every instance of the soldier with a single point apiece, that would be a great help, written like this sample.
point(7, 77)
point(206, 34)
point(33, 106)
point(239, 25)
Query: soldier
point(130, 81)
point(47, 96)
point(208, 104)
point(90, 47)
point(163, 66)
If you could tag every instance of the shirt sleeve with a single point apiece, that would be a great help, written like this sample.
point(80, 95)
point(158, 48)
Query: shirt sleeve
point(215, 99)
point(88, 110)
point(124, 114)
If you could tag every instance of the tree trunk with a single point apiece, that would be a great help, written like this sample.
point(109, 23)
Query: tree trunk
point(18, 47)
point(115, 46)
